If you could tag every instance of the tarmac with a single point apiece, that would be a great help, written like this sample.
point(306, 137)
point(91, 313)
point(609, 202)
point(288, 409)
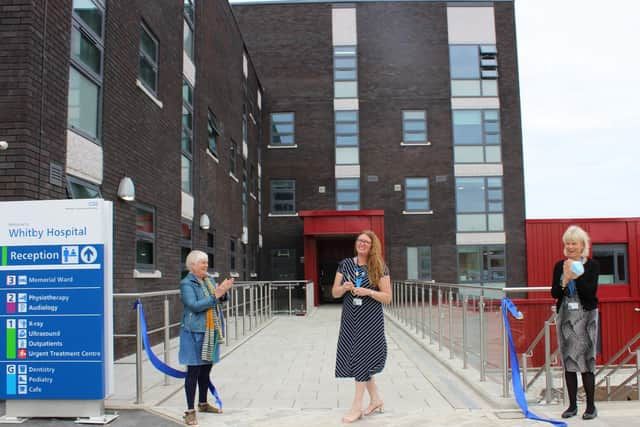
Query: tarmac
point(283, 375)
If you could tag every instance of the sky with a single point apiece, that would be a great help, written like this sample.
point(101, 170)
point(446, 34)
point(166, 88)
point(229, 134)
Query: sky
point(579, 69)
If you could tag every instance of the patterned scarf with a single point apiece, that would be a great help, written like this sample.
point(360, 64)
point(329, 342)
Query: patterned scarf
point(213, 335)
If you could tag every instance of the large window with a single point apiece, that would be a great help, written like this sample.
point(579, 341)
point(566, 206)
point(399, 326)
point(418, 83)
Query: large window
point(211, 249)
point(282, 129)
point(479, 204)
point(414, 127)
point(148, 60)
point(283, 264)
point(283, 196)
point(476, 136)
point(145, 237)
point(85, 72)
point(346, 125)
point(189, 20)
point(481, 264)
point(345, 72)
point(79, 189)
point(347, 194)
point(187, 136)
point(613, 263)
point(232, 255)
point(233, 158)
point(474, 70)
point(213, 133)
point(419, 263)
point(416, 195)
point(185, 246)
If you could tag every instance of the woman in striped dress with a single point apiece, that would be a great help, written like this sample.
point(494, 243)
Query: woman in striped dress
point(362, 349)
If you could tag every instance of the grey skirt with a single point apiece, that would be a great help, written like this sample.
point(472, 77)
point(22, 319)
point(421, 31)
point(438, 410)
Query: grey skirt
point(577, 332)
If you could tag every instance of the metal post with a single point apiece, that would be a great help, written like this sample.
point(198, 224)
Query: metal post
point(430, 316)
point(547, 363)
point(450, 324)
point(439, 319)
point(226, 323)
point(235, 313)
point(167, 338)
point(422, 311)
point(251, 308)
point(608, 381)
point(505, 361)
point(290, 304)
point(638, 373)
point(524, 372)
point(465, 357)
point(244, 309)
point(138, 357)
point(483, 354)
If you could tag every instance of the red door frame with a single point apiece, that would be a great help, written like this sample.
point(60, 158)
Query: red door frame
point(334, 223)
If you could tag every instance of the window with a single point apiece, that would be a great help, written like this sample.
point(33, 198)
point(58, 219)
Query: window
point(189, 20)
point(245, 195)
point(347, 194)
point(213, 132)
point(233, 155)
point(282, 129)
point(481, 264)
point(85, 72)
point(419, 263)
point(232, 255)
point(479, 204)
point(613, 263)
point(346, 125)
point(145, 237)
point(185, 246)
point(79, 189)
point(414, 127)
point(474, 70)
point(283, 196)
point(476, 136)
point(416, 194)
point(211, 248)
point(283, 264)
point(244, 124)
point(345, 72)
point(187, 135)
point(148, 60)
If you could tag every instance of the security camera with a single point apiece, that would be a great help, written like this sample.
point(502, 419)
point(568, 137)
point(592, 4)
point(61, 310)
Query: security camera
point(4, 145)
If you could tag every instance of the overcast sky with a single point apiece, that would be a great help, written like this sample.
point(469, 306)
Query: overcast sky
point(579, 64)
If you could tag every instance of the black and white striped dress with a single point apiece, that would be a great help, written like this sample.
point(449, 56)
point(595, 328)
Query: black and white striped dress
point(362, 347)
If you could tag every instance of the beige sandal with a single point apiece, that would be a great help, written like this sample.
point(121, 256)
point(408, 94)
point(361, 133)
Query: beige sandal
point(205, 407)
point(190, 418)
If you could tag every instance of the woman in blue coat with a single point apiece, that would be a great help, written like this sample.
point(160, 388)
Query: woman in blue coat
point(200, 330)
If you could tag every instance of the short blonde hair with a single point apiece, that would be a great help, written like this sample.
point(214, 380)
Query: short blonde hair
point(576, 234)
point(194, 257)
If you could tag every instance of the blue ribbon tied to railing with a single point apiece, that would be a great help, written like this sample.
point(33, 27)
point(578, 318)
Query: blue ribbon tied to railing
point(159, 364)
point(509, 307)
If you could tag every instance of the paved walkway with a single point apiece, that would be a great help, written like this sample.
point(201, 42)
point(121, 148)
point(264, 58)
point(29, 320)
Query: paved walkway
point(284, 376)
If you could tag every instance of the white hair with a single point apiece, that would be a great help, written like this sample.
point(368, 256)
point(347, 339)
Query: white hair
point(576, 234)
point(194, 257)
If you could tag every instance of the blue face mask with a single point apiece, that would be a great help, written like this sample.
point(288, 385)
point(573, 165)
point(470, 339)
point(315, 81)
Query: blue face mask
point(577, 268)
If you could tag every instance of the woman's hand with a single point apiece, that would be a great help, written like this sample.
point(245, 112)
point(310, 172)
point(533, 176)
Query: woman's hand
point(348, 287)
point(567, 274)
point(362, 292)
point(224, 287)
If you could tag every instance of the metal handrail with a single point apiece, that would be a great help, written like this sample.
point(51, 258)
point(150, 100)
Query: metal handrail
point(250, 304)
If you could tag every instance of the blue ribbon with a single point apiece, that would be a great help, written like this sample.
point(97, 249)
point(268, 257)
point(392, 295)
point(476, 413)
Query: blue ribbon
point(518, 391)
point(358, 281)
point(159, 364)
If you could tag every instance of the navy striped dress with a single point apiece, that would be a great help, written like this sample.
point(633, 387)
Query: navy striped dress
point(362, 347)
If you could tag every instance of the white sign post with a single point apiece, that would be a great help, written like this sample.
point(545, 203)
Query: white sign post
point(56, 308)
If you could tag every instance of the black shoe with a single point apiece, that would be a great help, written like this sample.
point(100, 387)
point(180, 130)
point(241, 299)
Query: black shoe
point(570, 413)
point(590, 415)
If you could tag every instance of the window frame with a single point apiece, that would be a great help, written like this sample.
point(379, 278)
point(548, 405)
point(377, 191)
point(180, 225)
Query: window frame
point(344, 52)
point(188, 132)
point(214, 125)
point(153, 63)
point(344, 206)
point(72, 180)
point(344, 134)
point(233, 158)
point(487, 201)
point(189, 22)
point(419, 270)
point(406, 132)
point(486, 70)
point(485, 133)
point(408, 199)
point(79, 25)
point(210, 248)
point(146, 237)
point(274, 133)
point(274, 202)
point(618, 249)
point(485, 271)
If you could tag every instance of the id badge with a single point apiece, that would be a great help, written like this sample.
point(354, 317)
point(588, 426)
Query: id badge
point(573, 306)
point(357, 301)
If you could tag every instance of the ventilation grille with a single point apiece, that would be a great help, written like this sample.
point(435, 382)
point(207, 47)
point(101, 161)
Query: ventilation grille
point(55, 174)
